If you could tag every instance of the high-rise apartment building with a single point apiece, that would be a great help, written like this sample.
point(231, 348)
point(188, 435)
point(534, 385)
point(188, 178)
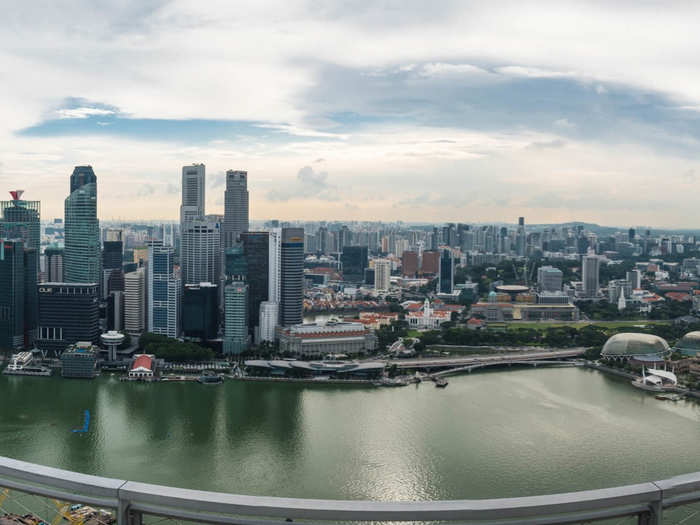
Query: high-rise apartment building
point(382, 275)
point(21, 219)
point(235, 207)
point(135, 301)
point(292, 277)
point(82, 258)
point(193, 192)
point(163, 291)
point(446, 277)
point(200, 251)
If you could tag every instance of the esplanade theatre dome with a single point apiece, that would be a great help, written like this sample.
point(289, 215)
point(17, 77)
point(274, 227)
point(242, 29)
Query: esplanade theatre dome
point(689, 344)
point(630, 344)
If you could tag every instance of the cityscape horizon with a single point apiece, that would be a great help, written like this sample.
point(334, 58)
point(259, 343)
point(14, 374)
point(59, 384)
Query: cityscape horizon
point(330, 262)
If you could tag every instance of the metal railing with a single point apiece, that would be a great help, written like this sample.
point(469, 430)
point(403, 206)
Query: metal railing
point(133, 500)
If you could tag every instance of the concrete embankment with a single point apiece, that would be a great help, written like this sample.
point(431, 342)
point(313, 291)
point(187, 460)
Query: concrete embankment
point(610, 370)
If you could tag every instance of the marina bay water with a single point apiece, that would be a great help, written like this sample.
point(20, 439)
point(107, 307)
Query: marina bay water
point(489, 434)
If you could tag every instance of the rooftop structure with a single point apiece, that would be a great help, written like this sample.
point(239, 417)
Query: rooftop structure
point(79, 361)
point(331, 369)
point(635, 345)
point(331, 338)
point(689, 344)
point(142, 366)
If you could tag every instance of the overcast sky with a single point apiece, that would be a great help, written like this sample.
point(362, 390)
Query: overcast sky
point(419, 111)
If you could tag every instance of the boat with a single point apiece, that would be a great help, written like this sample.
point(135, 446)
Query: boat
point(210, 378)
point(668, 397)
point(441, 382)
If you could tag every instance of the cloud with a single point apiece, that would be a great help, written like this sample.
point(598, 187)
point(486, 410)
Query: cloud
point(555, 143)
point(309, 184)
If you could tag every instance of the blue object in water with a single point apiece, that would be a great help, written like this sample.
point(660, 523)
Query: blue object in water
point(86, 423)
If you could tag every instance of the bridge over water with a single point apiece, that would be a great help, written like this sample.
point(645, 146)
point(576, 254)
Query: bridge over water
point(470, 360)
point(533, 362)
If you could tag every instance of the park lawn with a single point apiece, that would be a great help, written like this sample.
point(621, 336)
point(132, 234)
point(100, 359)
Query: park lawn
point(580, 324)
point(412, 333)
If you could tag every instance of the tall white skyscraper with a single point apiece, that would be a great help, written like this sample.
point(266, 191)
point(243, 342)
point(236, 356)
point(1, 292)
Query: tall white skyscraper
point(193, 192)
point(269, 314)
point(135, 301)
point(235, 206)
point(274, 265)
point(382, 275)
point(200, 252)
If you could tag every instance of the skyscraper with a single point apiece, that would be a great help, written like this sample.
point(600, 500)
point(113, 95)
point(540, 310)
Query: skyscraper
point(82, 256)
point(590, 275)
point(11, 294)
point(521, 239)
point(292, 277)
point(68, 313)
point(447, 272)
point(235, 317)
point(163, 291)
point(235, 206)
point(200, 253)
point(53, 257)
point(20, 219)
point(200, 311)
point(236, 301)
point(256, 247)
point(269, 315)
point(135, 301)
point(193, 192)
point(112, 259)
point(354, 260)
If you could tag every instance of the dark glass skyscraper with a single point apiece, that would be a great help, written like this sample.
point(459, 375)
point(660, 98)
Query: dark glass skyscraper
point(82, 258)
point(200, 311)
point(447, 272)
point(68, 313)
point(256, 246)
point(11, 294)
point(354, 260)
point(20, 219)
point(292, 277)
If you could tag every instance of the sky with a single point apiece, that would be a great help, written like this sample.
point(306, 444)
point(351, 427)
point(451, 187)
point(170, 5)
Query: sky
point(378, 110)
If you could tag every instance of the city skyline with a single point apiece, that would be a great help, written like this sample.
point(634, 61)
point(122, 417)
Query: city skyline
point(461, 112)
